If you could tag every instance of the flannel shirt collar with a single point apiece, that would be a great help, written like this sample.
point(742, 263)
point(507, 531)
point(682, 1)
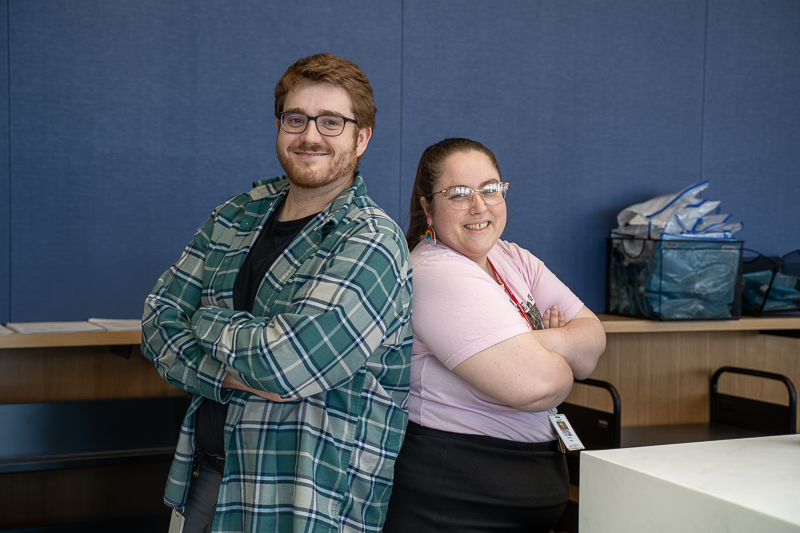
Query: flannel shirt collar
point(329, 217)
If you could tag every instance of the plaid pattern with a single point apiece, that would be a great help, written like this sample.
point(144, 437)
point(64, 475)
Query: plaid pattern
point(330, 325)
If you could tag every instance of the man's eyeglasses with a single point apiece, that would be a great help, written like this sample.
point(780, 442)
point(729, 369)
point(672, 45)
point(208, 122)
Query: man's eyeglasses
point(328, 125)
point(460, 197)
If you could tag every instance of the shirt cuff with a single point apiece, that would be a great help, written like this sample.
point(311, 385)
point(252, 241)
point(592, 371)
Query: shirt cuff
point(207, 324)
point(210, 374)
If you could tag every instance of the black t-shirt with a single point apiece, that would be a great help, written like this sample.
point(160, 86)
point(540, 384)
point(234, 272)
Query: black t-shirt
point(274, 238)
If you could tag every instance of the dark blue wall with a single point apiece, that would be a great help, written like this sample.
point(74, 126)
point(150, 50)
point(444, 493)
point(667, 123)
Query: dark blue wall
point(751, 121)
point(589, 107)
point(123, 124)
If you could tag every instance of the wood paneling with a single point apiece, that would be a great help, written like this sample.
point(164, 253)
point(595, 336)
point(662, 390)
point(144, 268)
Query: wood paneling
point(663, 378)
point(77, 373)
point(73, 372)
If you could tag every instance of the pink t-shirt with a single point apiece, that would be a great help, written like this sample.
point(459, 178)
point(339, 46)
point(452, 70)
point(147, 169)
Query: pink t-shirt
point(458, 310)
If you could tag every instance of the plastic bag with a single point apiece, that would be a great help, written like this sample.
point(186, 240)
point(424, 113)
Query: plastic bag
point(673, 280)
point(683, 215)
point(771, 283)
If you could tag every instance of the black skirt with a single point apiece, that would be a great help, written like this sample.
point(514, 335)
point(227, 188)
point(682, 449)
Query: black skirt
point(452, 482)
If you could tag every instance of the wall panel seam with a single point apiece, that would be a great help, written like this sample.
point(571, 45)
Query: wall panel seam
point(8, 149)
point(703, 97)
point(402, 136)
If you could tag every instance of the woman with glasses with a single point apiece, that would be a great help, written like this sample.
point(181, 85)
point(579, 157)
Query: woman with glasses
point(487, 367)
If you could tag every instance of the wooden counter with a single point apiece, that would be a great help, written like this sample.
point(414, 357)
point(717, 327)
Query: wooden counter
point(662, 369)
point(49, 367)
point(611, 323)
point(621, 324)
point(40, 367)
point(60, 340)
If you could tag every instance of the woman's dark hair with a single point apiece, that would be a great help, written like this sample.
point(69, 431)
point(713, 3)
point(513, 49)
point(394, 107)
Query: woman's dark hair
point(428, 173)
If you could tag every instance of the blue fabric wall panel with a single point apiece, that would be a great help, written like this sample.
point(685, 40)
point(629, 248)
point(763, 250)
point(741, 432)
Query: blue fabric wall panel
point(128, 122)
point(5, 186)
point(133, 120)
point(752, 119)
point(589, 107)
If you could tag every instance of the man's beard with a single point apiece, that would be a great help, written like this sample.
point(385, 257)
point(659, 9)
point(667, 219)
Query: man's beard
point(342, 166)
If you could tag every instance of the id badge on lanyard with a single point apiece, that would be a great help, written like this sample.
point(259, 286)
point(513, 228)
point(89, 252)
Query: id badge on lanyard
point(565, 432)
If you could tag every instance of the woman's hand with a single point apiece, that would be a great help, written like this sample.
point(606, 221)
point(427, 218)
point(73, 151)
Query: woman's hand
point(581, 342)
point(553, 318)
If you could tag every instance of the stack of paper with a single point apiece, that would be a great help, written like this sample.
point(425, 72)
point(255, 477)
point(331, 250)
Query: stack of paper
point(110, 324)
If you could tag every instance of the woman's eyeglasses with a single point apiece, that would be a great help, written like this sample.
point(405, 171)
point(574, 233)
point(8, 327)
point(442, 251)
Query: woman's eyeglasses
point(460, 197)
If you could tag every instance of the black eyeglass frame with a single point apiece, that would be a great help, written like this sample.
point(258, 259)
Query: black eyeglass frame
point(505, 185)
point(309, 119)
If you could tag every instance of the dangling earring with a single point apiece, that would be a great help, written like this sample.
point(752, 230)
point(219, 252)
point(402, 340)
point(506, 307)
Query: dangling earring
point(430, 235)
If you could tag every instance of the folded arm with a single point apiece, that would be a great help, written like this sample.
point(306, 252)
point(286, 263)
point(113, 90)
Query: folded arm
point(580, 342)
point(336, 320)
point(519, 372)
point(167, 338)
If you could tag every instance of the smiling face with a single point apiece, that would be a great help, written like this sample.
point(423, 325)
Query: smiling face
point(312, 160)
point(474, 231)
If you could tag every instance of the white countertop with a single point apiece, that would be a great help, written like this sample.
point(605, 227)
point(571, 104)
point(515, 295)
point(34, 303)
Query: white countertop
point(741, 485)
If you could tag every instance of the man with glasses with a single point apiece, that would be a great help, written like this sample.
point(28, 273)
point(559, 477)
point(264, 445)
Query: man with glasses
point(287, 317)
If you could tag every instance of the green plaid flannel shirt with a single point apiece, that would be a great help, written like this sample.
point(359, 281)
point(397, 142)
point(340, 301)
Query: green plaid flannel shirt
point(330, 325)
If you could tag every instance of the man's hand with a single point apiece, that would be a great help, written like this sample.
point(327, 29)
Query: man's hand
point(553, 318)
point(231, 383)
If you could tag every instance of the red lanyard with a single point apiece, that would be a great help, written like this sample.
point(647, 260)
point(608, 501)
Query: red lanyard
point(508, 290)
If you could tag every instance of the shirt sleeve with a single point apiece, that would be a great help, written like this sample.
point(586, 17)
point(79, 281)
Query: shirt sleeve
point(167, 338)
point(337, 319)
point(545, 287)
point(458, 310)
